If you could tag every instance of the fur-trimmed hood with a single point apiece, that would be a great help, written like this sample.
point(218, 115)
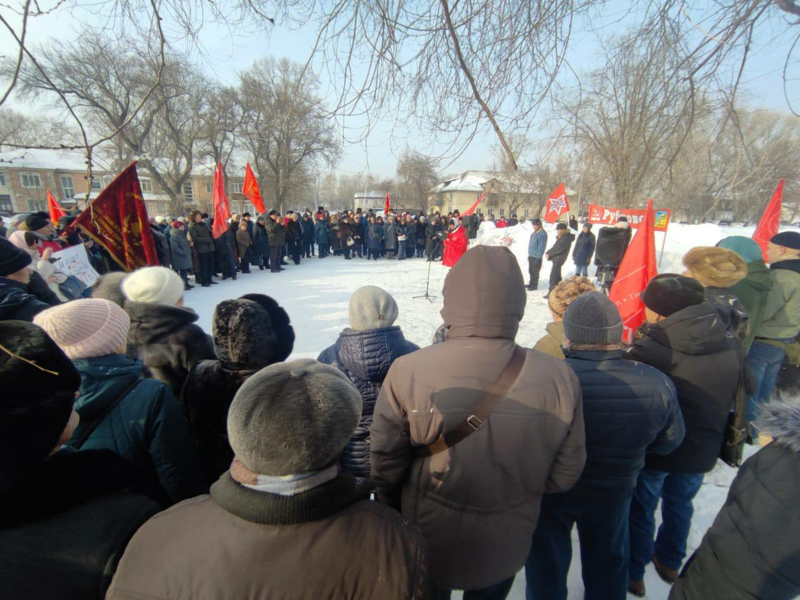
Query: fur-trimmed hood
point(780, 419)
point(715, 267)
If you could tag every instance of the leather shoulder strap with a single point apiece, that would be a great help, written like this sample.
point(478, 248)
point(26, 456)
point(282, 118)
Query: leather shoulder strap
point(496, 392)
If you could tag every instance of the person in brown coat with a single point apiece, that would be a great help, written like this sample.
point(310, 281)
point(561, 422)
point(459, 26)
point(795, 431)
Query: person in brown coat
point(558, 301)
point(244, 244)
point(477, 502)
point(284, 522)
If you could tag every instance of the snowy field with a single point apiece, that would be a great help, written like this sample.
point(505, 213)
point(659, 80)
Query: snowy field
point(316, 295)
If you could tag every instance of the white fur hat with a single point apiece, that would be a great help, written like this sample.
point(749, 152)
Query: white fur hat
point(153, 285)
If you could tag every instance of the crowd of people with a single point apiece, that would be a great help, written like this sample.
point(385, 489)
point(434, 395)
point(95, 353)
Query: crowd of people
point(144, 458)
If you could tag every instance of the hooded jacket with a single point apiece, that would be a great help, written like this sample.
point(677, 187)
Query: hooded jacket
point(167, 341)
point(248, 336)
point(781, 318)
point(753, 292)
point(751, 549)
point(365, 357)
point(693, 348)
point(16, 303)
point(146, 427)
point(560, 251)
point(478, 502)
point(329, 542)
point(553, 342)
point(181, 250)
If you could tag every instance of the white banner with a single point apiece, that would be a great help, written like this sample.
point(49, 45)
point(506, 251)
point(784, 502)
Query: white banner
point(74, 261)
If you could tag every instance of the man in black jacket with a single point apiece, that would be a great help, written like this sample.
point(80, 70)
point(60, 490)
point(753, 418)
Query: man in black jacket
point(558, 254)
point(686, 340)
point(629, 408)
point(16, 302)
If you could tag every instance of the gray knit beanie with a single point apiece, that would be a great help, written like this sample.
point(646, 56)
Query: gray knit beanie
point(372, 308)
point(293, 418)
point(593, 319)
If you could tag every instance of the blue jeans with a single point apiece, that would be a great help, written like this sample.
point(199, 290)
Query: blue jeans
point(676, 490)
point(581, 270)
point(602, 520)
point(498, 591)
point(765, 363)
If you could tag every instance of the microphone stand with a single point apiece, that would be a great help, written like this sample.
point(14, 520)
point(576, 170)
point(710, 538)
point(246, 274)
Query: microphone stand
point(427, 295)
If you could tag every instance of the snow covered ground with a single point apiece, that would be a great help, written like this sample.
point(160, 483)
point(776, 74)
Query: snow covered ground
point(316, 295)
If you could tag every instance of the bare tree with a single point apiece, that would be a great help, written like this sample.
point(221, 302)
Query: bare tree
point(18, 129)
point(287, 130)
point(417, 175)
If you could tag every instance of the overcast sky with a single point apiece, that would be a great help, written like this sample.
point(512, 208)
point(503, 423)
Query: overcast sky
point(226, 54)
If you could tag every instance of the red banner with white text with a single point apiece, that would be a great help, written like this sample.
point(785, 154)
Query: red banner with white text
point(609, 216)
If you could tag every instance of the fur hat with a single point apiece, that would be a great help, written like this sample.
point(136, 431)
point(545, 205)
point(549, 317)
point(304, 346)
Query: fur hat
point(715, 267)
point(566, 292)
point(372, 308)
point(293, 418)
point(153, 285)
point(745, 247)
point(250, 335)
point(780, 420)
point(109, 287)
point(39, 383)
point(593, 319)
point(669, 293)
point(12, 259)
point(86, 328)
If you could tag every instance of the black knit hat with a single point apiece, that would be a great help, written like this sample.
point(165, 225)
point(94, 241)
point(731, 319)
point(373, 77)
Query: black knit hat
point(35, 413)
point(35, 222)
point(669, 293)
point(12, 259)
point(787, 239)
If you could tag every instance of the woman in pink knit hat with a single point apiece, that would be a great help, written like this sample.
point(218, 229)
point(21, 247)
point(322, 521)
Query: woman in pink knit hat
point(137, 418)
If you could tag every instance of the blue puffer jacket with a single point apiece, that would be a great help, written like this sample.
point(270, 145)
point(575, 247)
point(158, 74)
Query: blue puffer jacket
point(365, 357)
point(147, 428)
point(629, 409)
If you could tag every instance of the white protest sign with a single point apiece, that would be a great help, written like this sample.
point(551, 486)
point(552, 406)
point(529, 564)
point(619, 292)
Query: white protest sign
point(74, 261)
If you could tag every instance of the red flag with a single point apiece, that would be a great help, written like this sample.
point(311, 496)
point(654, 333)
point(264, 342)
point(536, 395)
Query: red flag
point(117, 220)
point(770, 220)
point(56, 212)
point(472, 208)
point(252, 191)
point(388, 206)
point(222, 211)
point(637, 269)
point(557, 204)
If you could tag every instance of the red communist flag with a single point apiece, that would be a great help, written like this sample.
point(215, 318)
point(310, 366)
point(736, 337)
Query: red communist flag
point(56, 212)
point(557, 204)
point(252, 191)
point(222, 211)
point(474, 207)
point(117, 220)
point(388, 206)
point(637, 269)
point(770, 221)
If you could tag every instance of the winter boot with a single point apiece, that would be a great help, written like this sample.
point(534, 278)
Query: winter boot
point(636, 588)
point(668, 575)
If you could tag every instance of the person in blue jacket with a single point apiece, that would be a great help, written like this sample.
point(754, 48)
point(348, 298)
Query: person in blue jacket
point(583, 250)
point(322, 235)
point(629, 409)
point(137, 418)
point(536, 249)
point(364, 352)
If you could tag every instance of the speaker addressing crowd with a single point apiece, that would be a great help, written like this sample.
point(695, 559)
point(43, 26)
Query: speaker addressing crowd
point(169, 463)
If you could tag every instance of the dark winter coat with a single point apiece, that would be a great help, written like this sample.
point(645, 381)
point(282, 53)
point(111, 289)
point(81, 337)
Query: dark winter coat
point(329, 542)
point(168, 342)
point(226, 244)
point(181, 250)
point(359, 230)
point(629, 408)
point(202, 238)
point(38, 287)
point(411, 235)
point(16, 303)
point(560, 251)
point(365, 357)
point(321, 233)
point(244, 243)
point(431, 240)
point(421, 237)
point(294, 237)
point(261, 241)
point(477, 514)
point(753, 292)
point(249, 334)
point(390, 235)
point(162, 247)
point(146, 428)
point(751, 549)
point(732, 312)
point(375, 236)
point(336, 241)
point(308, 230)
point(63, 532)
point(277, 235)
point(693, 348)
point(584, 248)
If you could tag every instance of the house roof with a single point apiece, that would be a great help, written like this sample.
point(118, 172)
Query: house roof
point(468, 181)
point(59, 160)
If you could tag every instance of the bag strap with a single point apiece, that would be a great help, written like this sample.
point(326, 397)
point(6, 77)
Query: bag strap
point(496, 392)
point(86, 433)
